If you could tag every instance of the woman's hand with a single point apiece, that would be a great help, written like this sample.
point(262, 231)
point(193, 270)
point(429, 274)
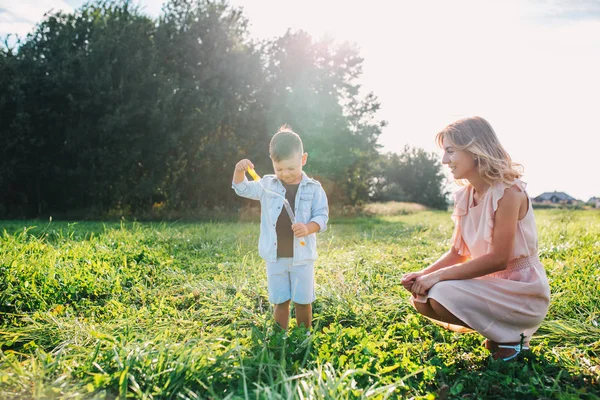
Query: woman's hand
point(409, 279)
point(423, 283)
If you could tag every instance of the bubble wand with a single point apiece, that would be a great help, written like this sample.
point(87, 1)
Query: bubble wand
point(286, 203)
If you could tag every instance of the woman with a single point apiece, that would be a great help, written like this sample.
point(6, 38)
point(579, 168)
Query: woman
point(491, 280)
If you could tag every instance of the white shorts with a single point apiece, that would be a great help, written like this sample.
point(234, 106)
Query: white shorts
point(290, 282)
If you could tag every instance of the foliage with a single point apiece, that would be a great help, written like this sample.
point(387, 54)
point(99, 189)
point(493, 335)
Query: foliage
point(414, 176)
point(106, 310)
point(109, 111)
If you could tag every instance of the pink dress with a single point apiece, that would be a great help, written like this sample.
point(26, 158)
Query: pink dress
point(503, 305)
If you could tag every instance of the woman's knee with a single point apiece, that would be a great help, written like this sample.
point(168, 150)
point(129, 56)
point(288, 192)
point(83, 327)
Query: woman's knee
point(441, 310)
point(437, 307)
point(420, 307)
point(424, 309)
point(445, 315)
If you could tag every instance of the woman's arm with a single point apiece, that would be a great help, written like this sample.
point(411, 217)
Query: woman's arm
point(451, 257)
point(505, 228)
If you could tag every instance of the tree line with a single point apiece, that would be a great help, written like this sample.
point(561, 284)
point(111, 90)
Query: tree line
point(109, 109)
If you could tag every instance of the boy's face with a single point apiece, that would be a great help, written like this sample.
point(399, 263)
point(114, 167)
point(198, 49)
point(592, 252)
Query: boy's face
point(289, 171)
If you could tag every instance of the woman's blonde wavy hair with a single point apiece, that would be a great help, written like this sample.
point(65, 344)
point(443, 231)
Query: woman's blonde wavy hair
point(476, 136)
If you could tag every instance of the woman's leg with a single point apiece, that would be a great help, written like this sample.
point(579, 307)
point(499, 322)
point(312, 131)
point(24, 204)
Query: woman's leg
point(425, 309)
point(505, 353)
point(434, 310)
point(445, 315)
point(490, 345)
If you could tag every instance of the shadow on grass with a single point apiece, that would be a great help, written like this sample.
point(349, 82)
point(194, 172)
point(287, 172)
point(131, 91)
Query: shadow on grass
point(530, 376)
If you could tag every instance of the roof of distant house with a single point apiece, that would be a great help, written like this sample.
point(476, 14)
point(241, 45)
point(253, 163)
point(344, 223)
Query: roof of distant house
point(593, 199)
point(561, 196)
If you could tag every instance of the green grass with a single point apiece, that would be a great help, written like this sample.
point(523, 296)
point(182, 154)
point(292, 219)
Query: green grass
point(180, 311)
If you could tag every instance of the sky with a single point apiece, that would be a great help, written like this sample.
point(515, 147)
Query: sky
point(530, 67)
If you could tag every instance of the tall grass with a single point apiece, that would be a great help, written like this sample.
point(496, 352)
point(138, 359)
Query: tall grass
point(180, 311)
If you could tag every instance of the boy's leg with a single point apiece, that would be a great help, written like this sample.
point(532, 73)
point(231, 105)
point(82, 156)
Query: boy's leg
point(278, 280)
point(303, 314)
point(281, 314)
point(302, 279)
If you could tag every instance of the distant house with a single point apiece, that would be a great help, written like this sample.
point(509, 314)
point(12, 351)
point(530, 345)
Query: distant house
point(555, 198)
point(594, 201)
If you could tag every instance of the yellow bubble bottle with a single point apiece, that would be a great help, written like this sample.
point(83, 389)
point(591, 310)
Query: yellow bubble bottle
point(253, 174)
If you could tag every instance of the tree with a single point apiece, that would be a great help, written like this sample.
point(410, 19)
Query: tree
point(106, 109)
point(15, 145)
point(87, 90)
point(312, 86)
point(413, 175)
point(213, 115)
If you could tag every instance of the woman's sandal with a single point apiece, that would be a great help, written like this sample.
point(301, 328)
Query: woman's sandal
point(517, 348)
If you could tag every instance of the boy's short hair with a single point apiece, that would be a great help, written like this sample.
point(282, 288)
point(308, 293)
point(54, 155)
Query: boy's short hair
point(284, 144)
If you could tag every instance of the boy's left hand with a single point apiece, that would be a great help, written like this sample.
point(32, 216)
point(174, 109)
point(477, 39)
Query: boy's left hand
point(300, 229)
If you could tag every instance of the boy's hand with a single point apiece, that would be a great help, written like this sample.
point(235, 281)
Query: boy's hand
point(243, 165)
point(300, 229)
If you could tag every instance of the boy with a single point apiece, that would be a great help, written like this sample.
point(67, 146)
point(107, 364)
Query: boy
point(289, 250)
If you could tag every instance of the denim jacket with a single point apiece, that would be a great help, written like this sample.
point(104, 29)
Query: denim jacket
point(311, 206)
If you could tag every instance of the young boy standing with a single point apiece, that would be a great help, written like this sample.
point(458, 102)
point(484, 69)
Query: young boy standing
point(289, 250)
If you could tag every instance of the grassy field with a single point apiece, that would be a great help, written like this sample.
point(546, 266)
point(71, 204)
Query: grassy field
point(180, 311)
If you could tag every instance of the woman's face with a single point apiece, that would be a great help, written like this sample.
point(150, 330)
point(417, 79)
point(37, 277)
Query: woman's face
point(461, 163)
